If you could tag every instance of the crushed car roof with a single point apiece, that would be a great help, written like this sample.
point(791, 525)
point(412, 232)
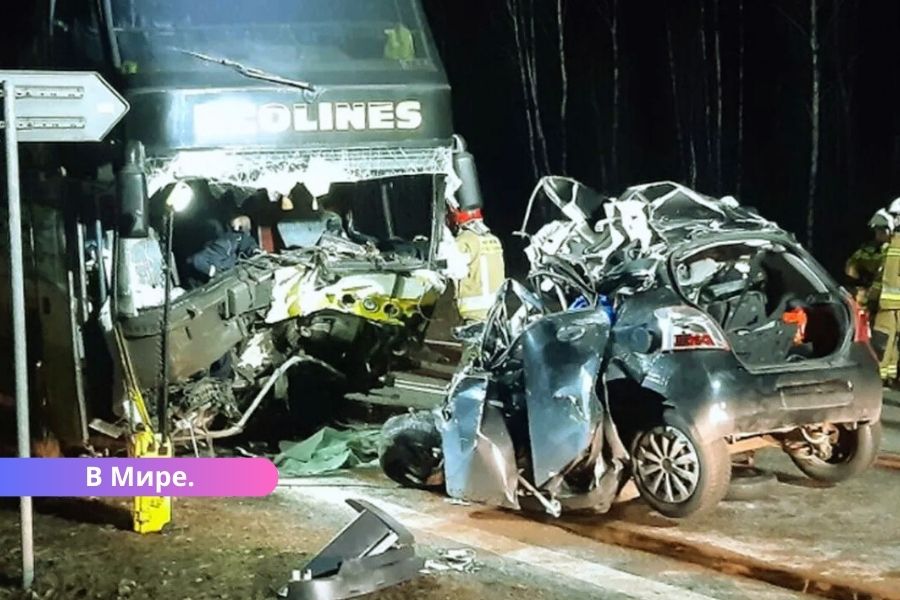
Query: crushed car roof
point(676, 211)
point(648, 222)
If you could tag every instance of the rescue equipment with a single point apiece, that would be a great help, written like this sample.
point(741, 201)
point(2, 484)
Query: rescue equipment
point(149, 514)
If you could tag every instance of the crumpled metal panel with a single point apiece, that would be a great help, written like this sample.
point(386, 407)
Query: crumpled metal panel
point(645, 222)
point(479, 460)
point(562, 355)
point(371, 553)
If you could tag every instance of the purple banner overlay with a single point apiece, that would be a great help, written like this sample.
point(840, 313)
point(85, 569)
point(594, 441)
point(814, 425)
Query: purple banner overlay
point(82, 477)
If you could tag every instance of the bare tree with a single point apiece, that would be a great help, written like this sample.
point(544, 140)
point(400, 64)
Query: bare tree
point(707, 109)
point(718, 62)
point(609, 163)
point(512, 7)
point(531, 62)
point(814, 114)
point(739, 167)
point(614, 34)
point(673, 79)
point(812, 38)
point(843, 71)
point(693, 173)
point(564, 83)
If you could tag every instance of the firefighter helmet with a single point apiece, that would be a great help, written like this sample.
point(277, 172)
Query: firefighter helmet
point(894, 208)
point(883, 218)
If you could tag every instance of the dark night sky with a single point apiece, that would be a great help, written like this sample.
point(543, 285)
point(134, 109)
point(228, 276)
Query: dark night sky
point(860, 67)
point(859, 145)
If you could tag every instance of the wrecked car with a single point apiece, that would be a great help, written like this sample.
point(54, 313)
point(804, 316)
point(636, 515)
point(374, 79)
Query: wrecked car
point(660, 332)
point(274, 200)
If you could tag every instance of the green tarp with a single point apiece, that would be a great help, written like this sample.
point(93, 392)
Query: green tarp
point(328, 450)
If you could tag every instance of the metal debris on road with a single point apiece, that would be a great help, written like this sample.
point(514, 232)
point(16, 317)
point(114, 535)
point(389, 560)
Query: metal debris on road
point(457, 502)
point(461, 560)
point(373, 552)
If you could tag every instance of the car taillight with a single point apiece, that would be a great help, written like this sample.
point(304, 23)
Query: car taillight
point(686, 328)
point(863, 333)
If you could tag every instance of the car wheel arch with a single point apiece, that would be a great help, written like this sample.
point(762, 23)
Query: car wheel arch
point(635, 406)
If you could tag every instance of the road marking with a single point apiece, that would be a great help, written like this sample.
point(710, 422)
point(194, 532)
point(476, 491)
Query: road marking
point(553, 561)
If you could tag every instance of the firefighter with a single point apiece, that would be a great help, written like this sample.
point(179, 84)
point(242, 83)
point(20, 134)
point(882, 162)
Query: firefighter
point(887, 292)
point(864, 265)
point(476, 291)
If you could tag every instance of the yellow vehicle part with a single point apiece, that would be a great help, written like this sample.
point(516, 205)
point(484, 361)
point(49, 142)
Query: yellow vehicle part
point(385, 298)
point(149, 514)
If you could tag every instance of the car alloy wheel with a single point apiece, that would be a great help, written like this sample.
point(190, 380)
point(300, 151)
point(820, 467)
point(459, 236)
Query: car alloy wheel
point(667, 464)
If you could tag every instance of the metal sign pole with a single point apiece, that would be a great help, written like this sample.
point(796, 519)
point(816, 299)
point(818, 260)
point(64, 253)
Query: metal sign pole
point(17, 280)
point(54, 106)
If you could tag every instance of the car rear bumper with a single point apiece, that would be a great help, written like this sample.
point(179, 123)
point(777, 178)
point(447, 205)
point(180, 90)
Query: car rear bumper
point(720, 398)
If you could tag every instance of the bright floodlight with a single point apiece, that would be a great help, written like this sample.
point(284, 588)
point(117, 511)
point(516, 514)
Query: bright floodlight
point(180, 197)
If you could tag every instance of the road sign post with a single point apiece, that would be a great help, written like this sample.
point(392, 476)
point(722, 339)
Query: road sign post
point(43, 106)
point(17, 284)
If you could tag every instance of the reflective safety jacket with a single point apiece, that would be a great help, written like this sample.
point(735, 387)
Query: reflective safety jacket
point(476, 291)
point(865, 263)
point(864, 270)
point(889, 288)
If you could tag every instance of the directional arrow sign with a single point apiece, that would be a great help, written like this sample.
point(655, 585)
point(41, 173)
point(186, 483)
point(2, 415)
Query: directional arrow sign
point(64, 106)
point(45, 106)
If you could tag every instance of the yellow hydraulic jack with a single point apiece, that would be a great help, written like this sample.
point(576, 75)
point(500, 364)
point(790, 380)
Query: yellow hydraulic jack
point(149, 513)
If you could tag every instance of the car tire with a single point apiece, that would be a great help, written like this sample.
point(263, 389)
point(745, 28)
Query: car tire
point(692, 478)
point(410, 452)
point(859, 449)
